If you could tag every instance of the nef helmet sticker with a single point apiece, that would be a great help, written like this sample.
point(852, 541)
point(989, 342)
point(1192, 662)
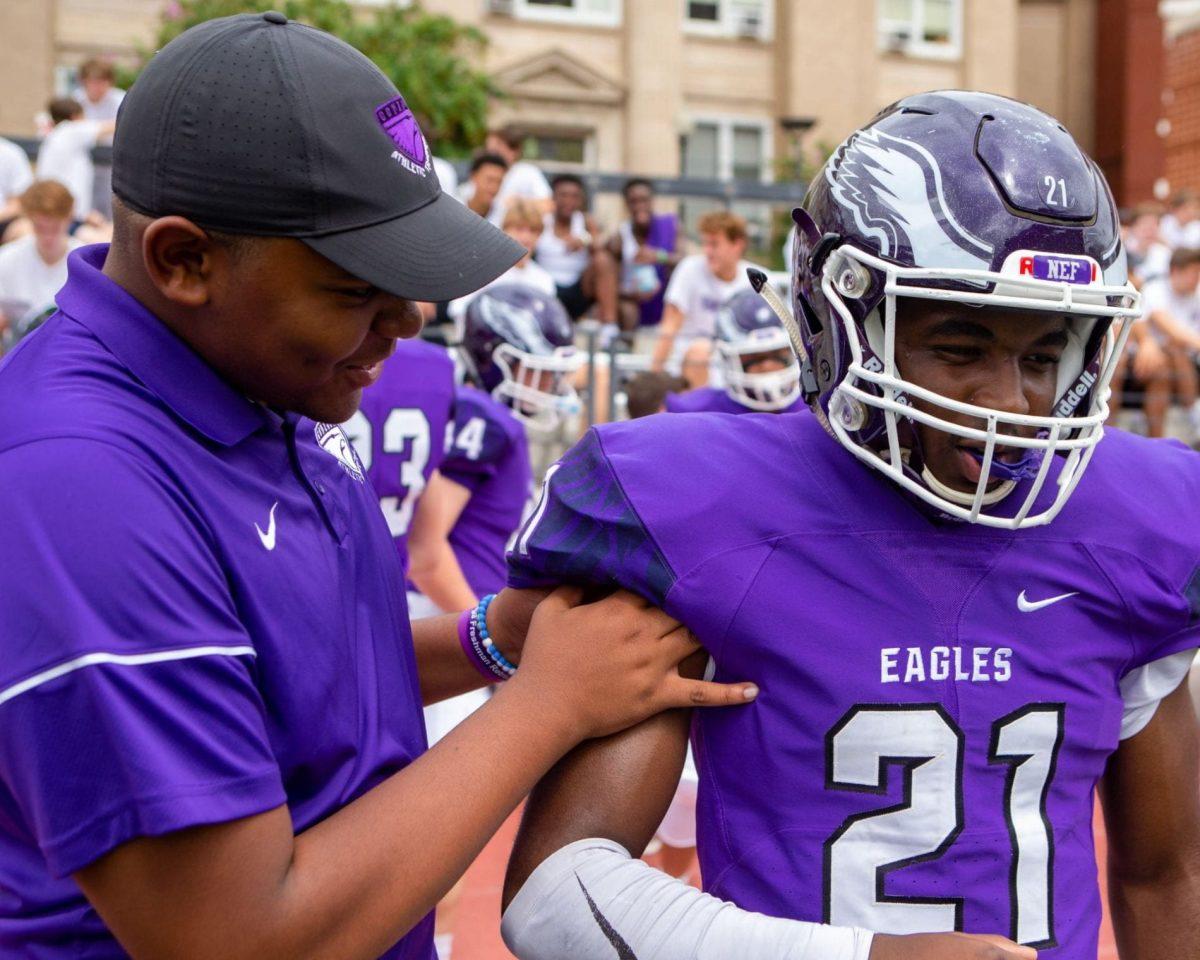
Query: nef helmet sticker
point(401, 126)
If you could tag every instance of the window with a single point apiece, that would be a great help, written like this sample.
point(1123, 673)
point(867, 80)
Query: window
point(923, 28)
point(726, 149)
point(556, 149)
point(597, 13)
point(728, 18)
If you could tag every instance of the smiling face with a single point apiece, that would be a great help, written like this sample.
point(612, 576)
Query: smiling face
point(292, 330)
point(1006, 360)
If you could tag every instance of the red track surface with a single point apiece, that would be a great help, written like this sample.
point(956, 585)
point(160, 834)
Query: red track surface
point(477, 932)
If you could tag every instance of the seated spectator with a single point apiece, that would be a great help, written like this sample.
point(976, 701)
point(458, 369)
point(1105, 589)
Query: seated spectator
point(66, 153)
point(1149, 257)
point(1171, 306)
point(645, 247)
point(523, 223)
point(1180, 227)
point(100, 97)
point(647, 393)
point(522, 180)
point(565, 249)
point(698, 287)
point(15, 177)
point(483, 183)
point(34, 267)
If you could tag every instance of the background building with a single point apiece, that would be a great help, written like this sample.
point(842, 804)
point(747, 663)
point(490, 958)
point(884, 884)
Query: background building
point(722, 89)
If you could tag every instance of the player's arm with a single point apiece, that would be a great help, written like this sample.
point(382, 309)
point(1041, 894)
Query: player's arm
point(1178, 332)
point(432, 564)
point(672, 321)
point(1151, 798)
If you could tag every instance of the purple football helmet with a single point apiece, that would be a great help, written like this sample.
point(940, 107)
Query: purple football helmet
point(520, 343)
point(976, 199)
point(747, 328)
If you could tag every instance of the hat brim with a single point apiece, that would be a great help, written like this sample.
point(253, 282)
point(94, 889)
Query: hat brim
point(438, 252)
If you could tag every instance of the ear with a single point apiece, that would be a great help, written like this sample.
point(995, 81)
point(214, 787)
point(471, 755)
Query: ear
point(179, 258)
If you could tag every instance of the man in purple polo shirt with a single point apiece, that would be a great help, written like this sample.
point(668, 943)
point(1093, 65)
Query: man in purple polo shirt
point(210, 730)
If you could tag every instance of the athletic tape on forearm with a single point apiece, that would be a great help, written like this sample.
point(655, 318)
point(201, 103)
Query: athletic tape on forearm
point(592, 901)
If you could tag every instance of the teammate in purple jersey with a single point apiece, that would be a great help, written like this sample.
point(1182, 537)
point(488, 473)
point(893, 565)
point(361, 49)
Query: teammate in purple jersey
point(400, 431)
point(755, 361)
point(489, 457)
point(959, 634)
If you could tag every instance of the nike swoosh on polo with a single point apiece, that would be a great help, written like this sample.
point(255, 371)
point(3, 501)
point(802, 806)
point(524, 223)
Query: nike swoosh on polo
point(268, 536)
point(1028, 606)
point(624, 952)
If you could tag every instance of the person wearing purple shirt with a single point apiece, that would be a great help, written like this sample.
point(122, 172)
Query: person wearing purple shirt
point(210, 732)
point(400, 431)
point(961, 635)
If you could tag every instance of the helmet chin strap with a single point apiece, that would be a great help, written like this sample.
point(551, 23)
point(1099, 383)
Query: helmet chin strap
point(966, 499)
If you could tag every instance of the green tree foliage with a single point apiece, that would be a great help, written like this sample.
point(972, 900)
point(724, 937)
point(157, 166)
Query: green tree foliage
point(430, 57)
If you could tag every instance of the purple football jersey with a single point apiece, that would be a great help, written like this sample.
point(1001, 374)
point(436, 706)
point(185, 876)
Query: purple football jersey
point(401, 430)
point(937, 699)
point(714, 400)
point(202, 616)
point(489, 455)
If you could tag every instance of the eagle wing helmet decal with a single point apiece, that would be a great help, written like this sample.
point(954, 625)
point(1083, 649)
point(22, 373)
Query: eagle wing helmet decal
point(893, 189)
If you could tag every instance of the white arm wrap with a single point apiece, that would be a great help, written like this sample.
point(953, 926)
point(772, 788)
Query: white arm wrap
point(592, 901)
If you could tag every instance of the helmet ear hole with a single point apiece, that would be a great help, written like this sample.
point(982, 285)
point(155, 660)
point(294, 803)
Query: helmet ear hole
point(811, 320)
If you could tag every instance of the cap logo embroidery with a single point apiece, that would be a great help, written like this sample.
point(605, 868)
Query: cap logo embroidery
point(401, 127)
point(333, 440)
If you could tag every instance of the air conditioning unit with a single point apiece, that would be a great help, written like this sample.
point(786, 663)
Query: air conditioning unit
point(897, 40)
point(749, 24)
point(503, 8)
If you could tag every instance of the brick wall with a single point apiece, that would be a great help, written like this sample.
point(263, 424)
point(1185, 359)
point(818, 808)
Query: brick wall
point(1182, 109)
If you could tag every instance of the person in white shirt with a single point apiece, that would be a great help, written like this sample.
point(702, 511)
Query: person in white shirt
point(523, 223)
point(1171, 308)
point(1149, 257)
point(34, 268)
point(100, 98)
point(483, 183)
point(522, 181)
point(1181, 225)
point(15, 177)
point(698, 287)
point(566, 249)
point(66, 153)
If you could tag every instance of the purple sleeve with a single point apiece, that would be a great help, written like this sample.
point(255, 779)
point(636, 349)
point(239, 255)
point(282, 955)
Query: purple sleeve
point(584, 530)
point(480, 439)
point(128, 705)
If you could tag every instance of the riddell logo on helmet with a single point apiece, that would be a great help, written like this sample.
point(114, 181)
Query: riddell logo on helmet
point(401, 127)
point(1075, 395)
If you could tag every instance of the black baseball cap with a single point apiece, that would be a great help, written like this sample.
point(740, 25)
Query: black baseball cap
point(255, 124)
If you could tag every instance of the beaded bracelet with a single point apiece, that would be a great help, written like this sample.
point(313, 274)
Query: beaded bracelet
point(489, 645)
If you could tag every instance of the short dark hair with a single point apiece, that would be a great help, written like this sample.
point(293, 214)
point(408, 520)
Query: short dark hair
point(513, 139)
point(64, 108)
point(636, 182)
point(567, 178)
point(98, 68)
point(1184, 257)
point(646, 393)
point(488, 159)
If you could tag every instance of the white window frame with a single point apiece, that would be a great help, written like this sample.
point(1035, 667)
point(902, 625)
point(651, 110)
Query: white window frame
point(725, 122)
point(727, 23)
point(916, 47)
point(524, 10)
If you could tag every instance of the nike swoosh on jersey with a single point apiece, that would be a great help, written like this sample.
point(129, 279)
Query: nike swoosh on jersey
point(624, 952)
point(1028, 606)
point(268, 536)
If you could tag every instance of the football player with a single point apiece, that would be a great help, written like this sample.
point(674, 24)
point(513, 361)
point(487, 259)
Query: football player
point(960, 635)
point(400, 430)
point(755, 358)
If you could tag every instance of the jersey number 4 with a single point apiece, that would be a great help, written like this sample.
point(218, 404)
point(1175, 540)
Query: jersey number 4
point(927, 747)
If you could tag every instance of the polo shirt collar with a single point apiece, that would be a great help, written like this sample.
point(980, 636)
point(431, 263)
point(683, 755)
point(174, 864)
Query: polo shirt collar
point(153, 353)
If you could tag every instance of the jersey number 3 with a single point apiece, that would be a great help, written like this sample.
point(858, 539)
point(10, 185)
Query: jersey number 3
point(927, 747)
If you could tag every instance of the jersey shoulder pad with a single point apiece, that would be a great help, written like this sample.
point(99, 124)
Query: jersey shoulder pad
point(484, 431)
